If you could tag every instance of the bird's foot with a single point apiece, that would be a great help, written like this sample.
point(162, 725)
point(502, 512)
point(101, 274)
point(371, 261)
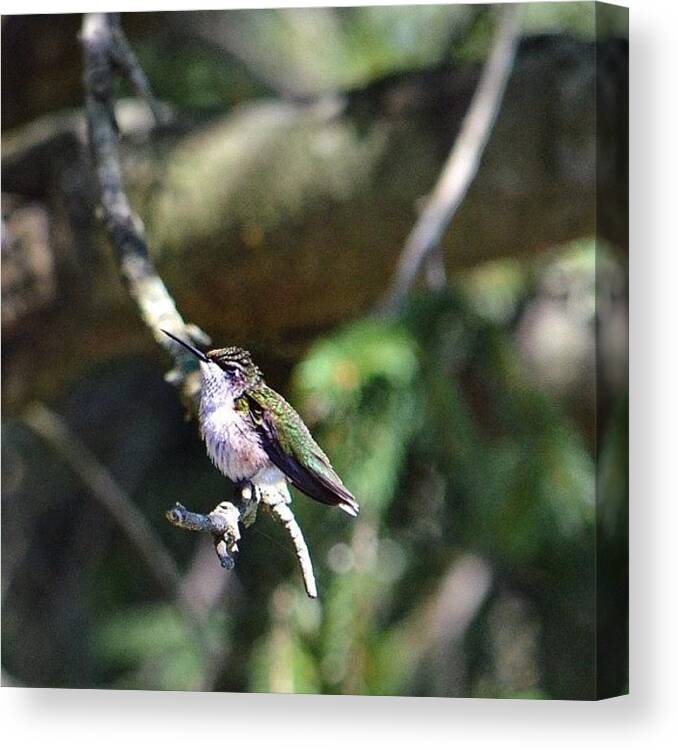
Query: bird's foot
point(226, 542)
point(247, 499)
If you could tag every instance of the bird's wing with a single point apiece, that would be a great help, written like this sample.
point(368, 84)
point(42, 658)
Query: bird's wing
point(290, 446)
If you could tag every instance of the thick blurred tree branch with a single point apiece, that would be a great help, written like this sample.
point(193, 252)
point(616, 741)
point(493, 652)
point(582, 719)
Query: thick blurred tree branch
point(462, 163)
point(107, 54)
point(140, 534)
point(110, 495)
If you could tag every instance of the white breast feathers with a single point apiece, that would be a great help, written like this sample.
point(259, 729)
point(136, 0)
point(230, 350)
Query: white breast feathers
point(232, 444)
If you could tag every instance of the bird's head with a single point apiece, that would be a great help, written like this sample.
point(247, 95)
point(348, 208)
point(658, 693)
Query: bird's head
point(230, 371)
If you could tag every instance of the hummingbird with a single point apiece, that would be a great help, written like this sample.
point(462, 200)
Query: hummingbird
point(253, 435)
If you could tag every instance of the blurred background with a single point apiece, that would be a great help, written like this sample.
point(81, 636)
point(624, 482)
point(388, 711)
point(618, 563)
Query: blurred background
point(483, 427)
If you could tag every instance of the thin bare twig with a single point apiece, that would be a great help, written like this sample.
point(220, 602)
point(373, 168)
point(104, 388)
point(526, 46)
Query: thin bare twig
point(462, 163)
point(126, 60)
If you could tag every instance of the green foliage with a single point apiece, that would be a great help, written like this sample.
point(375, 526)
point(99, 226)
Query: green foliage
point(512, 480)
point(363, 377)
point(152, 647)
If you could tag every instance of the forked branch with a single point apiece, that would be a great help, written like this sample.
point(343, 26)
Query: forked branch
point(223, 524)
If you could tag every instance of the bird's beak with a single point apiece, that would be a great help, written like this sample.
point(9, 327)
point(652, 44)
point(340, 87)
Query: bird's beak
point(202, 357)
